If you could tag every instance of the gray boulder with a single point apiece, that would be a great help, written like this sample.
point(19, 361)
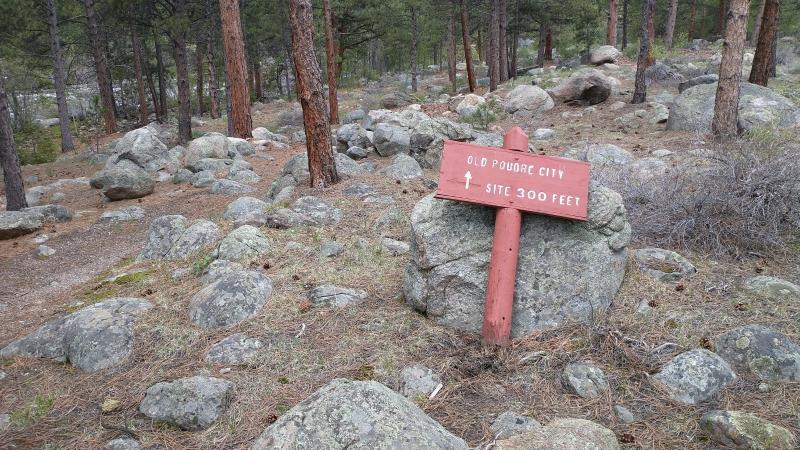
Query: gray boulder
point(511, 423)
point(231, 299)
point(563, 434)
point(123, 181)
point(352, 135)
point(229, 187)
point(234, 350)
point(527, 101)
point(584, 380)
point(418, 381)
point(51, 213)
point(772, 288)
point(767, 354)
point(695, 376)
point(604, 54)
point(338, 296)
point(317, 211)
point(127, 214)
point(470, 105)
point(391, 139)
point(122, 443)
point(171, 237)
point(18, 223)
point(214, 165)
point(711, 78)
point(759, 107)
point(607, 155)
point(210, 145)
point(245, 242)
point(403, 167)
point(97, 337)
point(395, 100)
point(586, 86)
point(203, 179)
point(239, 147)
point(263, 134)
point(356, 152)
point(663, 265)
point(394, 247)
point(143, 147)
point(244, 176)
point(356, 414)
point(741, 430)
point(244, 206)
point(566, 270)
point(193, 403)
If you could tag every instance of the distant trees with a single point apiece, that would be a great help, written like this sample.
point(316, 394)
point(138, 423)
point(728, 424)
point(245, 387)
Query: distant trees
point(101, 67)
point(767, 34)
point(611, 27)
point(467, 47)
point(59, 78)
point(726, 104)
point(321, 161)
point(236, 68)
point(330, 59)
point(640, 85)
point(15, 190)
point(670, 28)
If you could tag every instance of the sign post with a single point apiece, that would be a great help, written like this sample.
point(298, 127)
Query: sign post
point(514, 181)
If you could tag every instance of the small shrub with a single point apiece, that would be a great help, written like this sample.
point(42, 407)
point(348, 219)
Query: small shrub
point(744, 197)
point(202, 263)
point(37, 144)
point(39, 407)
point(484, 116)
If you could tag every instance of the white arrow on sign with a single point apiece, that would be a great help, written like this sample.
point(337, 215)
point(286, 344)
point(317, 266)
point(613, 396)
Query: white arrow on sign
point(467, 176)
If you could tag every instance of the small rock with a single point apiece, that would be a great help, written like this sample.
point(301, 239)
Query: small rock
point(5, 421)
point(43, 252)
point(245, 206)
point(110, 405)
point(123, 443)
point(330, 249)
point(741, 430)
point(130, 213)
point(18, 223)
point(510, 424)
point(695, 376)
point(663, 265)
point(661, 153)
point(566, 434)
point(180, 273)
point(234, 350)
point(766, 353)
point(403, 167)
point(193, 403)
point(51, 213)
point(231, 299)
point(624, 414)
point(417, 381)
point(542, 134)
point(584, 379)
point(356, 152)
point(330, 295)
point(229, 187)
point(394, 247)
point(772, 288)
point(245, 242)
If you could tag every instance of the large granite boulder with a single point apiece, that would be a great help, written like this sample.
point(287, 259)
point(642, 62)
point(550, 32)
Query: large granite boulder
point(694, 376)
point(769, 355)
point(18, 223)
point(210, 145)
point(93, 338)
point(230, 299)
point(192, 403)
point(245, 242)
point(391, 139)
point(586, 86)
point(566, 270)
point(741, 430)
point(123, 180)
point(172, 237)
point(527, 101)
point(358, 415)
point(759, 106)
point(143, 147)
point(563, 434)
point(604, 54)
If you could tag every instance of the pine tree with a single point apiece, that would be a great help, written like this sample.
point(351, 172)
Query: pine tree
point(762, 60)
point(241, 122)
point(12, 176)
point(726, 104)
point(59, 78)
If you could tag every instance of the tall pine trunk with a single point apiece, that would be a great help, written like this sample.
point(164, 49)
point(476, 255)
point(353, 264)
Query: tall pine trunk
point(640, 88)
point(213, 84)
point(330, 61)
point(671, 18)
point(548, 44)
point(414, 37)
point(515, 40)
point(757, 24)
point(199, 70)
point(762, 60)
point(182, 73)
point(236, 69)
point(692, 19)
point(321, 161)
point(451, 48)
point(494, 42)
point(502, 47)
point(100, 68)
point(162, 79)
point(137, 65)
point(59, 79)
point(651, 36)
point(726, 104)
point(624, 24)
point(257, 79)
point(12, 175)
point(611, 28)
point(467, 46)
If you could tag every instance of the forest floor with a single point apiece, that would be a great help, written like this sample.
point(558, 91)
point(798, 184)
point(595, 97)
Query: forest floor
point(54, 405)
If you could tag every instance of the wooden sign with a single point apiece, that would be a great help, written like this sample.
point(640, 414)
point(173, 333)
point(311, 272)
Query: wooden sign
point(514, 179)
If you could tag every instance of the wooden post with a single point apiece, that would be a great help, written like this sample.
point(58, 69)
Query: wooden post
point(503, 265)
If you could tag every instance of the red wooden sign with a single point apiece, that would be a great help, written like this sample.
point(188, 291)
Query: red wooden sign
point(514, 179)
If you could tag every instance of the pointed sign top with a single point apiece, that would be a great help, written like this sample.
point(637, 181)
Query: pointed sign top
point(516, 139)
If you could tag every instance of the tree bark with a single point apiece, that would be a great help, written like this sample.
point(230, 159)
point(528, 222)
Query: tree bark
point(321, 161)
point(611, 28)
point(548, 44)
point(467, 46)
point(692, 20)
point(199, 70)
point(502, 48)
point(213, 84)
point(651, 36)
point(236, 69)
point(624, 24)
point(257, 79)
point(762, 60)
point(671, 18)
point(726, 104)
point(330, 60)
point(12, 175)
point(137, 67)
point(100, 68)
point(494, 42)
point(414, 37)
point(640, 89)
point(182, 73)
point(451, 48)
point(757, 24)
point(721, 17)
point(515, 40)
point(59, 79)
point(162, 79)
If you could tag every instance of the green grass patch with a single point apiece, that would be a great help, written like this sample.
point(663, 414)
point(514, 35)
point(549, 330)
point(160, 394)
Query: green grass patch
point(37, 408)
